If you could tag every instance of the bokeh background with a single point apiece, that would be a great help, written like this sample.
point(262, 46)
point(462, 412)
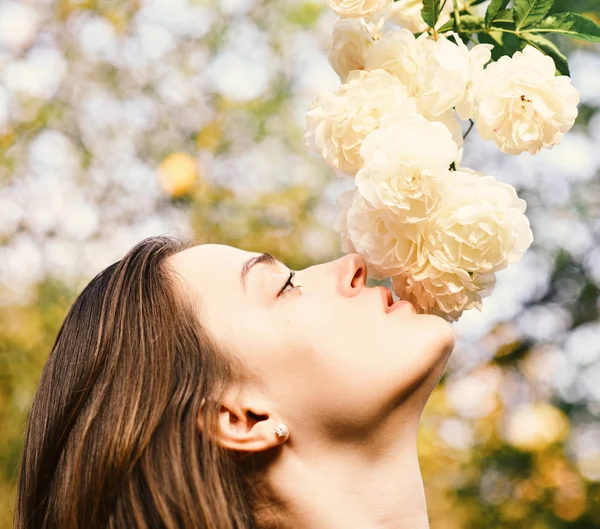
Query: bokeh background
point(125, 119)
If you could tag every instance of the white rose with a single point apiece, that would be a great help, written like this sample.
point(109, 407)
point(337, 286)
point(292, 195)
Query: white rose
point(350, 43)
point(480, 226)
point(407, 14)
point(477, 229)
point(397, 53)
point(338, 123)
point(445, 73)
point(445, 293)
point(521, 105)
point(440, 73)
point(385, 243)
point(405, 166)
point(479, 56)
point(358, 8)
point(449, 120)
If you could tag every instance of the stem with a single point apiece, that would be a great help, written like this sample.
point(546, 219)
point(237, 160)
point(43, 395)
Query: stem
point(456, 15)
point(435, 33)
point(469, 129)
point(470, 37)
point(487, 30)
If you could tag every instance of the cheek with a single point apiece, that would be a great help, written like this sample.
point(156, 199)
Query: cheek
point(346, 372)
point(324, 365)
point(316, 369)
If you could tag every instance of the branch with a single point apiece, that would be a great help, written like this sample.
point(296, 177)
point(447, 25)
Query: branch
point(469, 129)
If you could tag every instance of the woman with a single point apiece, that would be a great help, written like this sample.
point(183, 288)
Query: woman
point(209, 387)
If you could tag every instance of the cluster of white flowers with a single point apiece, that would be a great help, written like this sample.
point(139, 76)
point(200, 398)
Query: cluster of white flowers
point(440, 231)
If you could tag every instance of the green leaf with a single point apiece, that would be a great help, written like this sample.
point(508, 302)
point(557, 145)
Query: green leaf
point(448, 26)
point(476, 3)
point(529, 12)
point(493, 9)
point(577, 6)
point(571, 25)
point(506, 16)
point(504, 43)
point(431, 12)
point(549, 48)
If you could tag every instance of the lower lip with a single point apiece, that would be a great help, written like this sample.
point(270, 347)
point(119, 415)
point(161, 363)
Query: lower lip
point(401, 303)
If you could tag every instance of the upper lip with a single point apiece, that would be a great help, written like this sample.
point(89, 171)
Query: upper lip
point(386, 296)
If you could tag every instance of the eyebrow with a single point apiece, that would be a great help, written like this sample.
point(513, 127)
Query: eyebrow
point(266, 258)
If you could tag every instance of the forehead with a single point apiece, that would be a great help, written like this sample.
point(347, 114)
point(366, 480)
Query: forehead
point(211, 273)
point(204, 263)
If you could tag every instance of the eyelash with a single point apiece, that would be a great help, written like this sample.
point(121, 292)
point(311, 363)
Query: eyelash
point(289, 282)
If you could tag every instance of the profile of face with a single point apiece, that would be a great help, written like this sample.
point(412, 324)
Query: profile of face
point(327, 356)
point(175, 345)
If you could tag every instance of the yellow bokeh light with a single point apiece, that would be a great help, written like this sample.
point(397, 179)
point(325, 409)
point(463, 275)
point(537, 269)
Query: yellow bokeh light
point(177, 173)
point(534, 427)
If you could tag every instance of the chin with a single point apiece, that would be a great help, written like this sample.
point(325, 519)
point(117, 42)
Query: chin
point(424, 365)
point(442, 333)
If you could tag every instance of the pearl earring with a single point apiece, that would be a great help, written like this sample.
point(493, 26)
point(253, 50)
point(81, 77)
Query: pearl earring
point(281, 430)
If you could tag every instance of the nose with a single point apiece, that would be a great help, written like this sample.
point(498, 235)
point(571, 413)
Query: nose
point(353, 274)
point(346, 276)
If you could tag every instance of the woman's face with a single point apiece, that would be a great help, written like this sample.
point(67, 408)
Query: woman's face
point(326, 354)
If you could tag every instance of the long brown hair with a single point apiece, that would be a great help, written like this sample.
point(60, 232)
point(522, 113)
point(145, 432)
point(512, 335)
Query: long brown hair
point(112, 439)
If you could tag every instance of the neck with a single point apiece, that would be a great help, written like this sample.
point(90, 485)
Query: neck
point(372, 484)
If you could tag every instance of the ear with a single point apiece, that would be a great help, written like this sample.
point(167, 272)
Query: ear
point(245, 423)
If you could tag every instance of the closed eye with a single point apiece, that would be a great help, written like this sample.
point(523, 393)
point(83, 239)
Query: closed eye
point(288, 283)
